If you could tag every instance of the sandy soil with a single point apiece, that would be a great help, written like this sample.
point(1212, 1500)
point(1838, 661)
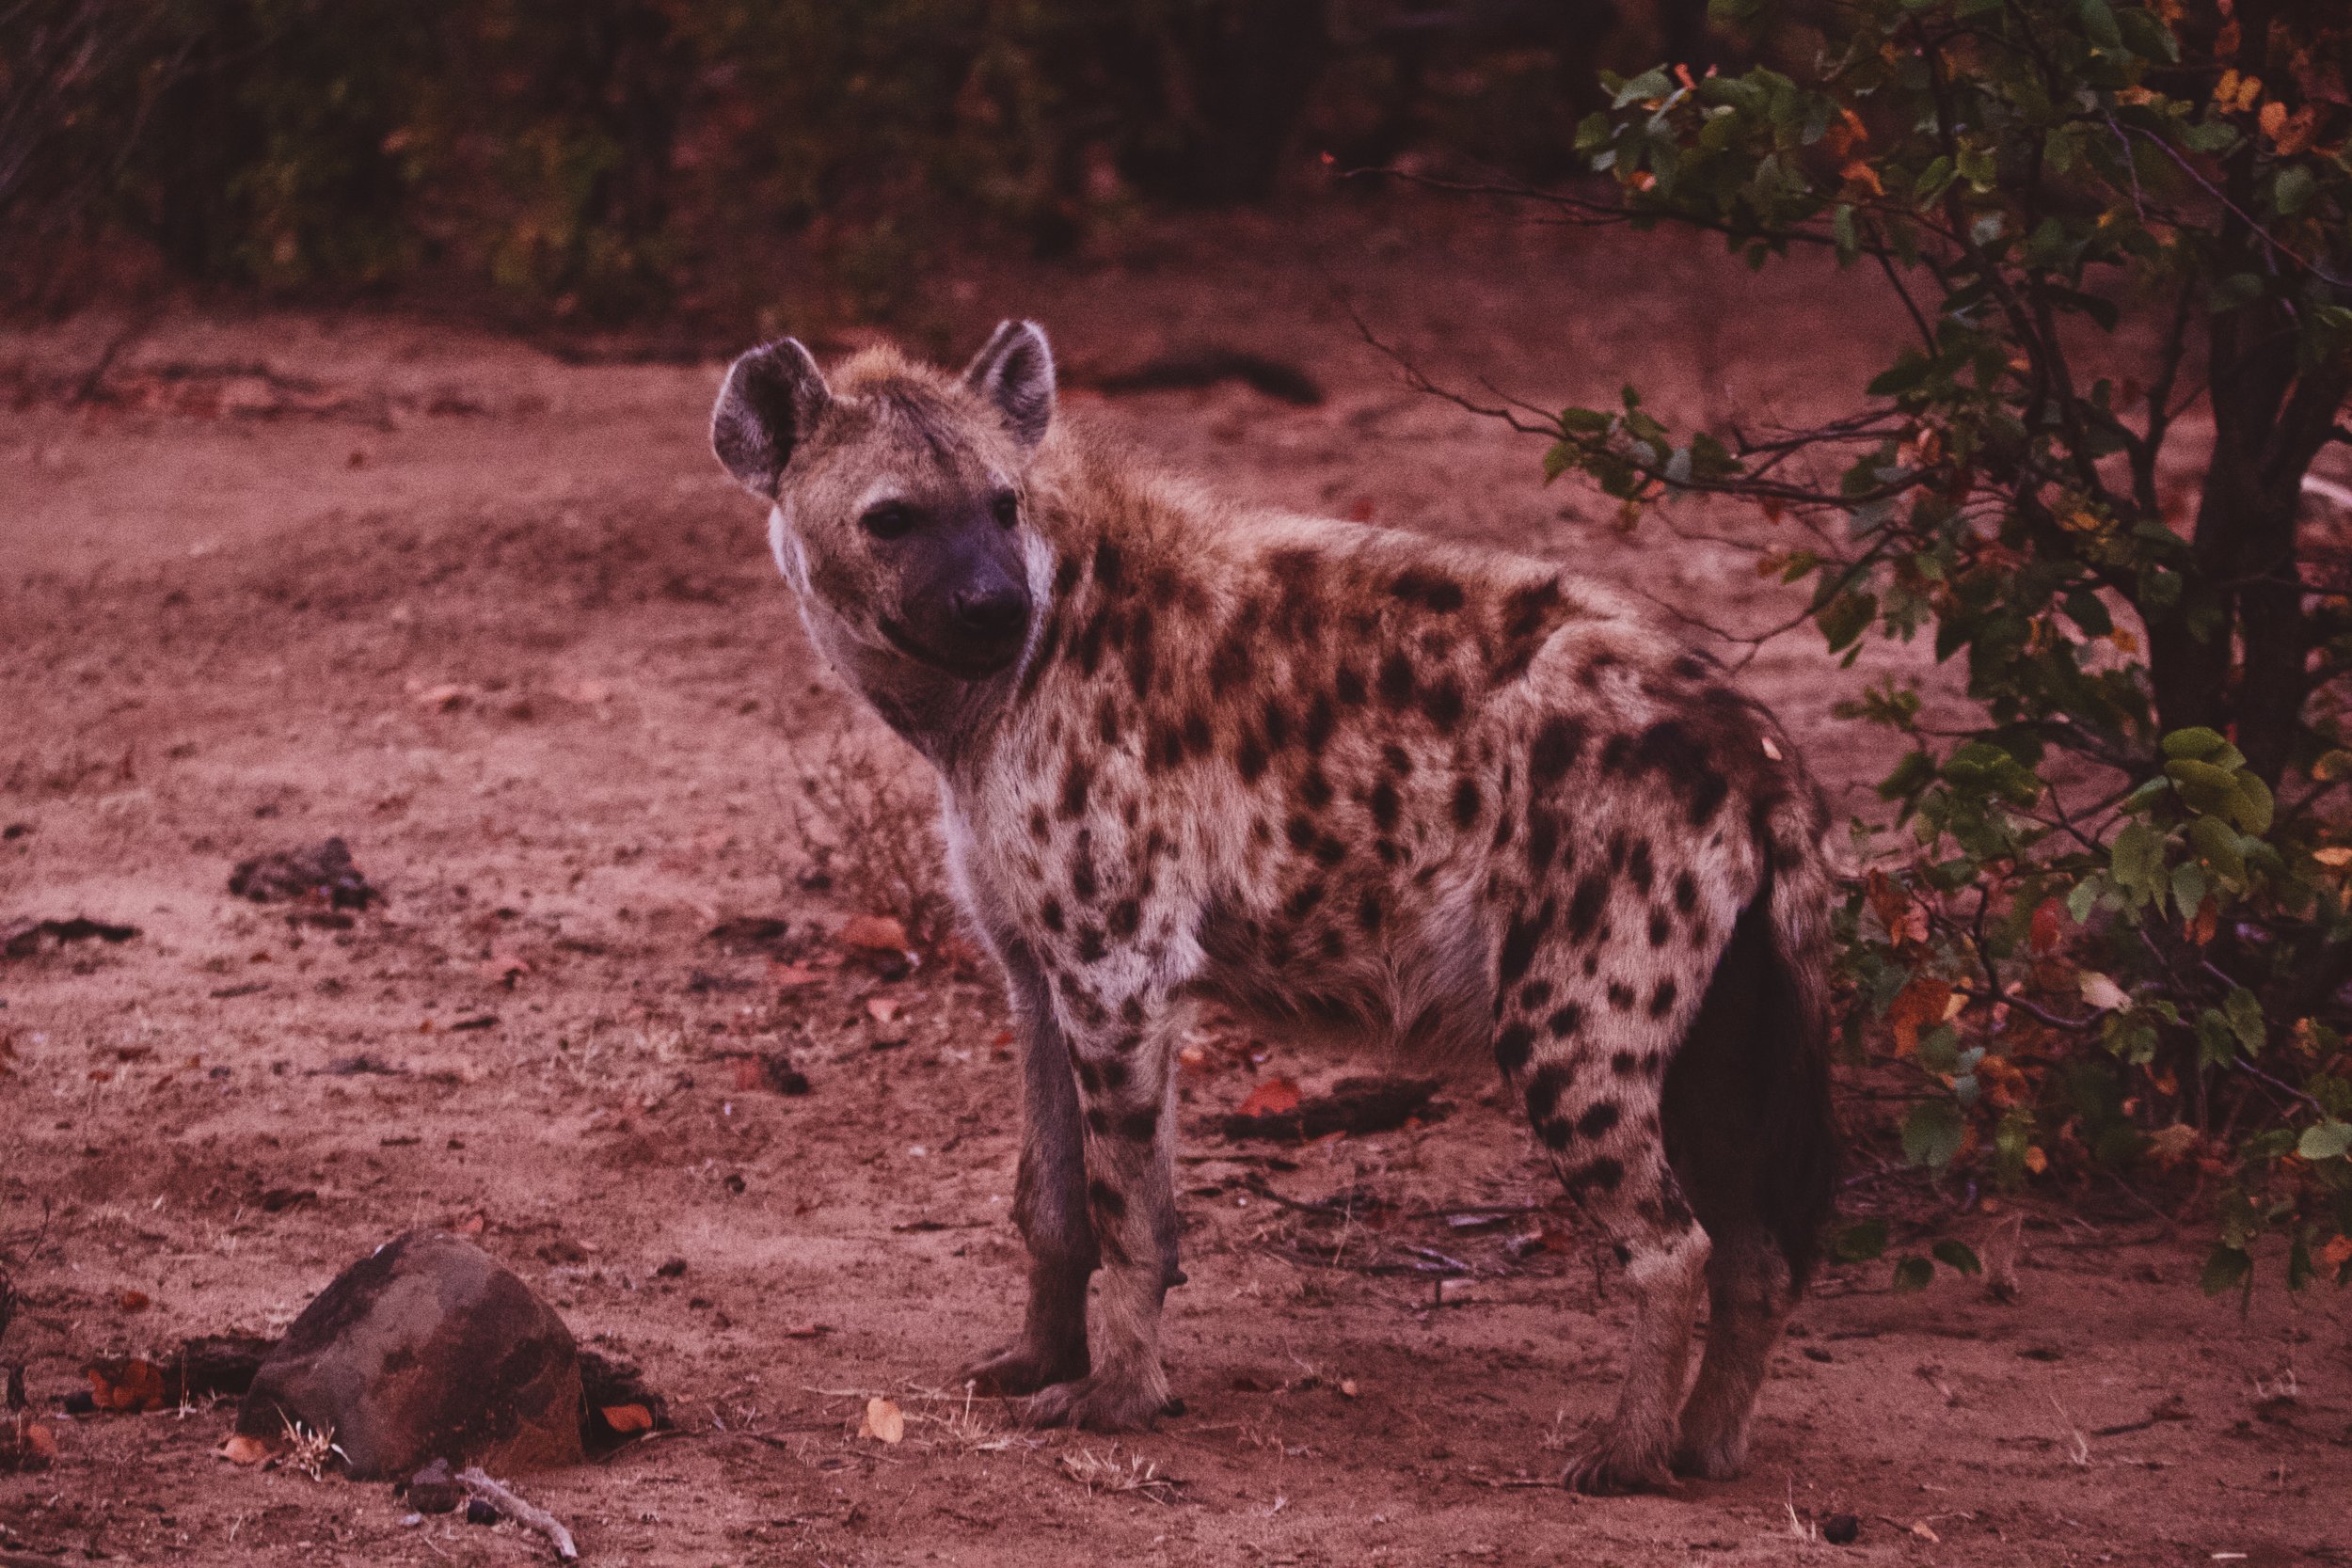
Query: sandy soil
point(499, 621)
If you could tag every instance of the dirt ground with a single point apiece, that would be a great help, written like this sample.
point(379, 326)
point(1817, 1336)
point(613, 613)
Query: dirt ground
point(499, 621)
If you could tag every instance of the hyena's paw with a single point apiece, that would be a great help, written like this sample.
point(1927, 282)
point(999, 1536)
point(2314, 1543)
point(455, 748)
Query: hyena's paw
point(1711, 1458)
point(1024, 1368)
point(1099, 1402)
point(1608, 1460)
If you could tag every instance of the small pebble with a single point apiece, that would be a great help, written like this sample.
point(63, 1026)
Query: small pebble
point(1840, 1529)
point(480, 1513)
point(410, 1521)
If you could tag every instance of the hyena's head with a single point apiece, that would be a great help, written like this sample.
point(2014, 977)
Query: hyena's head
point(897, 496)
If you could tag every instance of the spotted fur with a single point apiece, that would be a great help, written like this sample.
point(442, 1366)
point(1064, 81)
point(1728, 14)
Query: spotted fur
point(1337, 777)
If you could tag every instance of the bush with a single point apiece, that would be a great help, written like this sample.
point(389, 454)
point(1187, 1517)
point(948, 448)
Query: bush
point(605, 156)
point(2112, 929)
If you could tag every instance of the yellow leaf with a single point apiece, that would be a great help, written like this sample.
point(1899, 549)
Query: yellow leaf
point(2102, 992)
point(885, 1422)
point(2336, 856)
point(628, 1418)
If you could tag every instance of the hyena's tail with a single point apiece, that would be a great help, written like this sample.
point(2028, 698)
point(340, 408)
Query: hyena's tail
point(1748, 1120)
point(1797, 1177)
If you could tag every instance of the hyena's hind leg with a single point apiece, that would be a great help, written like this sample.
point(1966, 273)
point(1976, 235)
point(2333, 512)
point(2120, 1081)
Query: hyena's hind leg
point(1748, 1128)
point(1591, 1052)
point(1049, 1201)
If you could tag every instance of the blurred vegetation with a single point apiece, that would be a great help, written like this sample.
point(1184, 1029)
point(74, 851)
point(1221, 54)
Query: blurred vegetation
point(602, 155)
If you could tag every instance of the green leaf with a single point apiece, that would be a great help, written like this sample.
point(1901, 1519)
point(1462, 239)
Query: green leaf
point(1845, 617)
point(2254, 806)
point(1859, 1242)
point(2244, 1013)
point(2325, 1140)
point(1653, 83)
point(1913, 1273)
point(2099, 24)
point(2197, 744)
point(1932, 1132)
point(2229, 294)
point(1957, 1255)
point(2226, 1267)
point(2291, 191)
point(2136, 865)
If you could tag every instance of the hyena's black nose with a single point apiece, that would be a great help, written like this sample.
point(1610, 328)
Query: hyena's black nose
point(995, 612)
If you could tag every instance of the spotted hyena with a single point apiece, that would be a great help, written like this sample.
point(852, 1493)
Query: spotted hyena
point(1328, 776)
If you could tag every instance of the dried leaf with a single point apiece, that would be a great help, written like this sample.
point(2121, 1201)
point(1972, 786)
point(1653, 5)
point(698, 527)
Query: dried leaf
point(628, 1418)
point(1275, 1097)
point(881, 1009)
point(885, 1422)
point(40, 1442)
point(2050, 923)
point(1920, 1003)
point(134, 1301)
point(2335, 857)
point(874, 933)
point(1921, 1530)
point(787, 976)
point(128, 1384)
point(241, 1449)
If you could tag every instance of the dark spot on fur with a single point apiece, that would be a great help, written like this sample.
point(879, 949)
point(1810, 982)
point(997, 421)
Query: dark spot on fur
point(1385, 805)
point(1525, 612)
point(1535, 994)
point(1585, 906)
point(1397, 760)
point(1108, 564)
point(1555, 751)
point(1608, 1175)
point(1141, 656)
point(1598, 1120)
point(1114, 1075)
point(1659, 927)
point(1089, 1079)
point(1348, 685)
point(1075, 784)
point(1166, 748)
point(1430, 589)
point(1302, 903)
point(1250, 759)
point(1051, 914)
point(1544, 1091)
point(1329, 850)
point(1125, 916)
point(1196, 732)
point(1686, 891)
point(1131, 1011)
point(1106, 721)
point(1614, 753)
point(1090, 947)
point(1515, 1048)
point(1099, 1124)
point(1107, 1200)
point(1082, 868)
point(1638, 866)
point(1319, 721)
point(1301, 832)
point(1662, 1000)
point(1334, 944)
point(1668, 748)
point(1466, 804)
point(1138, 1126)
point(1625, 1064)
point(1690, 666)
point(1396, 680)
point(1038, 829)
point(1368, 911)
point(1565, 1022)
point(1277, 725)
point(1315, 789)
point(1518, 943)
point(1441, 702)
point(1621, 996)
point(1065, 575)
point(1543, 838)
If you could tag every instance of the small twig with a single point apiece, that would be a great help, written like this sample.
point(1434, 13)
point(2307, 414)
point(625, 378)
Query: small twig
point(523, 1514)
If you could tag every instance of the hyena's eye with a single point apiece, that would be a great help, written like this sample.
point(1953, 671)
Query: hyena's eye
point(1008, 509)
point(888, 520)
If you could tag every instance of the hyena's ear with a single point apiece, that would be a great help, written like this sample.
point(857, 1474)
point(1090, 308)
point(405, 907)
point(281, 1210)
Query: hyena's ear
point(771, 398)
point(1015, 372)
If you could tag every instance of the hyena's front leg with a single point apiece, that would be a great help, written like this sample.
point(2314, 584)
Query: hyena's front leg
point(1125, 1077)
point(1049, 1201)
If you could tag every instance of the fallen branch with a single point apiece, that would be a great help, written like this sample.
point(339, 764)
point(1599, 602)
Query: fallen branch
point(523, 1514)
